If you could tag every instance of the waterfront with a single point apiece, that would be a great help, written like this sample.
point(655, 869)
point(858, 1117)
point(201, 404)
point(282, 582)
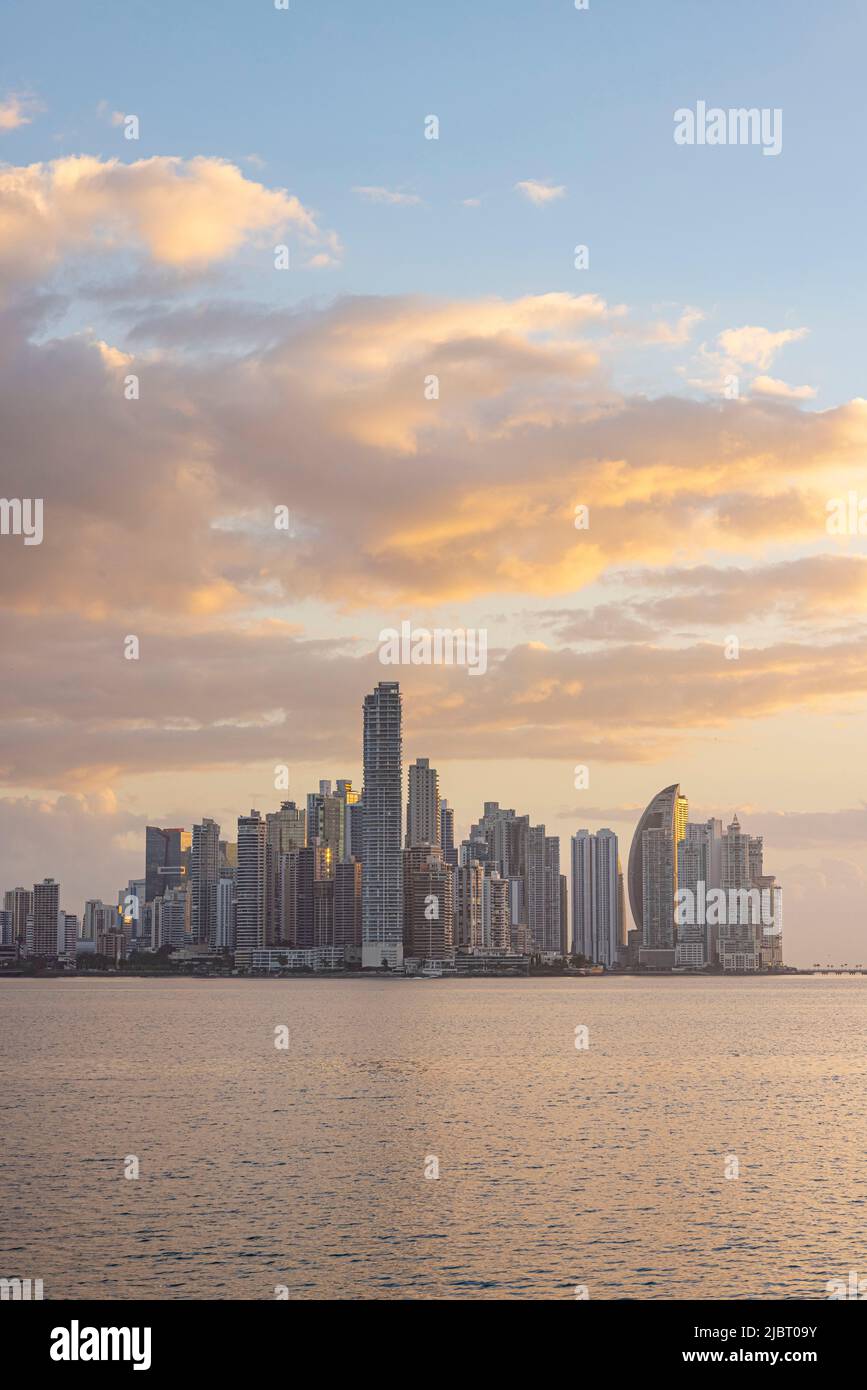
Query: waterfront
point(305, 1167)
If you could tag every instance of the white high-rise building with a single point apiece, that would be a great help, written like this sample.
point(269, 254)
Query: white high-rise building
point(423, 806)
point(598, 927)
point(382, 865)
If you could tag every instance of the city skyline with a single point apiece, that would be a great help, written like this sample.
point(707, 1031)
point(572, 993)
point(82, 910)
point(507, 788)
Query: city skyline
point(353, 872)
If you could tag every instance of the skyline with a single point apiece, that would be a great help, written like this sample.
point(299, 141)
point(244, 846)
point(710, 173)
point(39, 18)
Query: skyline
point(696, 389)
point(691, 885)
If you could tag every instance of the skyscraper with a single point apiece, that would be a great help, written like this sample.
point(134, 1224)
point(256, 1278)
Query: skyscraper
point(653, 875)
point(423, 805)
point(285, 831)
point(543, 890)
point(428, 903)
point(164, 859)
point(598, 927)
point(447, 834)
point(46, 905)
point(18, 902)
point(382, 887)
point(250, 887)
point(224, 930)
point(347, 904)
point(204, 876)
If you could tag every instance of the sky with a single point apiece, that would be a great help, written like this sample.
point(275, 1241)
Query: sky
point(697, 385)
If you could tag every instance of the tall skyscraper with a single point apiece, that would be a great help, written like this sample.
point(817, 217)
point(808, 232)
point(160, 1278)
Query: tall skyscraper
point(382, 870)
point(46, 905)
point(347, 904)
point(423, 805)
point(495, 912)
point(285, 832)
point(250, 887)
point(469, 906)
point(598, 926)
point(653, 875)
point(164, 859)
point(204, 876)
point(543, 890)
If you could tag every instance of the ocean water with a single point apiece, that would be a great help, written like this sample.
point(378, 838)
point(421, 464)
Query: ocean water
point(304, 1168)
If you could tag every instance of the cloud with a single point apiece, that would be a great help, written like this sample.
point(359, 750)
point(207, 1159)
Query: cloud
point(387, 195)
point(540, 193)
point(771, 386)
point(756, 347)
point(17, 109)
point(179, 213)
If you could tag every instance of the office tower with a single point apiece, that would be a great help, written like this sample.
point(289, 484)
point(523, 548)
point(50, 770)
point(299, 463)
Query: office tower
point(653, 875)
point(347, 904)
point(224, 928)
point(204, 876)
point(382, 870)
point(46, 905)
point(423, 805)
point(447, 834)
point(250, 887)
point(18, 902)
point(228, 857)
point(164, 859)
point(496, 934)
point(429, 903)
point(6, 937)
point(543, 890)
point(597, 897)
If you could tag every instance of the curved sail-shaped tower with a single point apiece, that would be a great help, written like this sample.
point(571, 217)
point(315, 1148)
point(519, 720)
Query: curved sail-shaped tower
point(652, 874)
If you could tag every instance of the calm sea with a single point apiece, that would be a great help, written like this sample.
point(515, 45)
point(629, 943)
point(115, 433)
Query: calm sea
point(305, 1167)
